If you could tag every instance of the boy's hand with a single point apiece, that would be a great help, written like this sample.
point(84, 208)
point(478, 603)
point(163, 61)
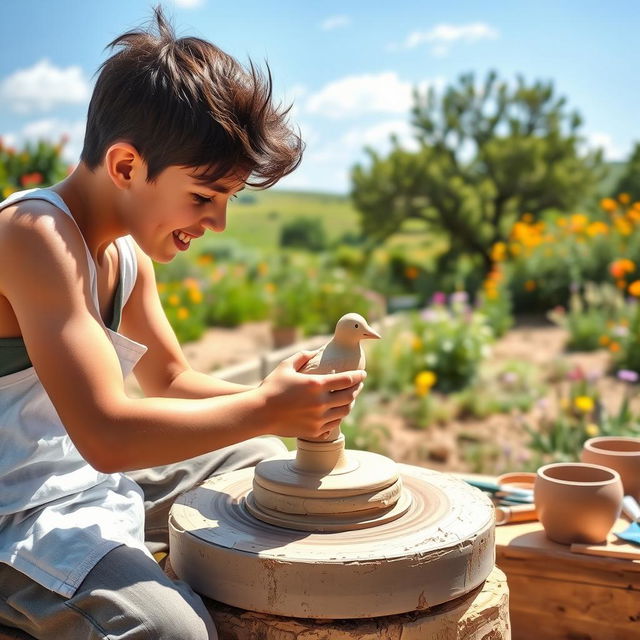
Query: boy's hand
point(307, 406)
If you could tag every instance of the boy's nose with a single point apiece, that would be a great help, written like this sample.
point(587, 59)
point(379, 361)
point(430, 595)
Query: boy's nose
point(217, 223)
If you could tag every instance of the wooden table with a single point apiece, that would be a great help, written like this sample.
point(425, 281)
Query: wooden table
point(555, 594)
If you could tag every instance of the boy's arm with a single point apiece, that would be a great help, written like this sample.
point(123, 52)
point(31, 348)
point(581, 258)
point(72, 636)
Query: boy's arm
point(163, 370)
point(44, 275)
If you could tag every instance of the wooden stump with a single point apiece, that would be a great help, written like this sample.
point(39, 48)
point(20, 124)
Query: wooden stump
point(482, 614)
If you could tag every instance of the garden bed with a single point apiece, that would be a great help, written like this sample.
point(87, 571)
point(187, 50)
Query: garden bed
point(492, 444)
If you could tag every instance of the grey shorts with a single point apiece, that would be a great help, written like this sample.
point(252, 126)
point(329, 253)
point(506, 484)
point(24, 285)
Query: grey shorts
point(127, 596)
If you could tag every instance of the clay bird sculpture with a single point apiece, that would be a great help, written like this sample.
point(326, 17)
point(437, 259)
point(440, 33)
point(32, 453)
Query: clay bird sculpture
point(344, 351)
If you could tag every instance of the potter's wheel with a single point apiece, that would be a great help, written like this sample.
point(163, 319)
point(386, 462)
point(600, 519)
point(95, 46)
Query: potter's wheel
point(409, 539)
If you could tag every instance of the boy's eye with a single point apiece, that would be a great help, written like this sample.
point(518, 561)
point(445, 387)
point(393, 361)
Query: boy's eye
point(200, 199)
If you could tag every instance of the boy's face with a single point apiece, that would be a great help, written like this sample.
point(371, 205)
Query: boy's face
point(167, 214)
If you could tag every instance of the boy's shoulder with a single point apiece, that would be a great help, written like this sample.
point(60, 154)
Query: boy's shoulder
point(37, 231)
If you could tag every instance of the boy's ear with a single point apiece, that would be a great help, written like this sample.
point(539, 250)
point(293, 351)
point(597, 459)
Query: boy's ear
point(122, 161)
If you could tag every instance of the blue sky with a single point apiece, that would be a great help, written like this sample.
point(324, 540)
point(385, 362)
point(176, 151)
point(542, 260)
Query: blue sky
point(348, 66)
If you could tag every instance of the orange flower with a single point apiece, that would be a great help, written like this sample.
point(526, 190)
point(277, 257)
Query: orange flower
point(604, 340)
point(183, 313)
point(614, 347)
point(618, 268)
point(608, 204)
point(530, 285)
point(624, 198)
point(634, 289)
point(411, 272)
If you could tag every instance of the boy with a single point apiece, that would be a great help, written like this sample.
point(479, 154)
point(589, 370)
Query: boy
point(175, 129)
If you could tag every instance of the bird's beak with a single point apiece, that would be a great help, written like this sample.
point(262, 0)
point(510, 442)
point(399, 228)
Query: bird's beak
point(370, 333)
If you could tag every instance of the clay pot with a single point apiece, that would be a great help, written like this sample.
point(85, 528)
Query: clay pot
point(577, 502)
point(285, 336)
point(516, 480)
point(619, 453)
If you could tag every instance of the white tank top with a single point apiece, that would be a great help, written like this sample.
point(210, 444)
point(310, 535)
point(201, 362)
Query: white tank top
point(58, 515)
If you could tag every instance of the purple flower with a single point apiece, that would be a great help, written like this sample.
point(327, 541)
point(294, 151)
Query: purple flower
point(439, 298)
point(627, 375)
point(594, 375)
point(429, 315)
point(543, 403)
point(458, 297)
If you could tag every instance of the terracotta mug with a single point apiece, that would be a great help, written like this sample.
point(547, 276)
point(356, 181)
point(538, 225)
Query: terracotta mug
point(619, 453)
point(577, 502)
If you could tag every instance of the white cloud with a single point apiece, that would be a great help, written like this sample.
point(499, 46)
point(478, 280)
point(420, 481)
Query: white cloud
point(335, 22)
point(378, 136)
point(443, 36)
point(600, 140)
point(43, 87)
point(52, 130)
point(368, 93)
point(188, 4)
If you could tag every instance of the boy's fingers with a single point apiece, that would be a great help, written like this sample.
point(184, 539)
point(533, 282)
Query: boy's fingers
point(299, 359)
point(344, 380)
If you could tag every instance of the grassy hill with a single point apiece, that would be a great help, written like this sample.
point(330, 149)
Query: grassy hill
point(254, 220)
point(256, 217)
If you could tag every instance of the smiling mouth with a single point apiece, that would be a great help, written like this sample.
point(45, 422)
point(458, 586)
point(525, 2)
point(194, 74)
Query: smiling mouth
point(183, 237)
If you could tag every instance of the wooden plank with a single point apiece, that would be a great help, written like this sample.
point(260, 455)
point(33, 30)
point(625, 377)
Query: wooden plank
point(524, 549)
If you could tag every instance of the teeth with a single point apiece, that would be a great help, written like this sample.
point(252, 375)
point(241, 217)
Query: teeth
point(183, 237)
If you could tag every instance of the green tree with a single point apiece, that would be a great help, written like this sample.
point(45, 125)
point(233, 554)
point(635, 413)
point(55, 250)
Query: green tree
point(38, 164)
point(304, 233)
point(485, 156)
point(630, 180)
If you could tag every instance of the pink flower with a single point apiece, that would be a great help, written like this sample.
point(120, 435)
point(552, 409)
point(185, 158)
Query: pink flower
point(439, 298)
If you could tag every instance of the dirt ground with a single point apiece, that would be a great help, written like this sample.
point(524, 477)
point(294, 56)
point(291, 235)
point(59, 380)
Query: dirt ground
point(445, 447)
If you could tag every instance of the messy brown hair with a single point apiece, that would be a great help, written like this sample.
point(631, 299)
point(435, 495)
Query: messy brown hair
point(185, 102)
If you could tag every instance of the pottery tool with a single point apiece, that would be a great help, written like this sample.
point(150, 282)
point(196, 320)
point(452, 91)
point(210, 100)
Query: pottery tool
point(327, 532)
point(506, 493)
point(515, 513)
point(632, 511)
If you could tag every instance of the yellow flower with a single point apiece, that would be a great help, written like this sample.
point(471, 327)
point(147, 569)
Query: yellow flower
point(515, 249)
point(263, 268)
point(624, 198)
point(608, 204)
point(191, 283)
point(162, 287)
point(583, 403)
point(623, 226)
point(183, 313)
point(578, 222)
point(7, 191)
point(204, 259)
point(416, 343)
point(173, 300)
point(597, 227)
point(634, 289)
point(195, 295)
point(270, 287)
point(592, 430)
point(498, 251)
point(424, 381)
point(604, 340)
